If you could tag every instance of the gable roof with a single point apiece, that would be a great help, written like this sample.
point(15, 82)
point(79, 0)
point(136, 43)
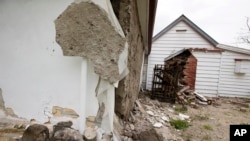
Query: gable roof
point(191, 24)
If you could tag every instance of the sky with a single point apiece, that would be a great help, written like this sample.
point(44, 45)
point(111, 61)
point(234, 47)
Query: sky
point(223, 20)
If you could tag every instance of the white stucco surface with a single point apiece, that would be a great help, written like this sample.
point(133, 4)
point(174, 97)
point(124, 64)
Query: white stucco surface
point(34, 74)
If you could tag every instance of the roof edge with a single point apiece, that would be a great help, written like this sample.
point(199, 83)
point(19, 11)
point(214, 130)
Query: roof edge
point(192, 25)
point(234, 49)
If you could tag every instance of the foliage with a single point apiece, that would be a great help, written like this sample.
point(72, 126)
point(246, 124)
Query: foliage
point(208, 127)
point(179, 124)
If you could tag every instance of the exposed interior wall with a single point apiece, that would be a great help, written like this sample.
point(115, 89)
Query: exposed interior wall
point(34, 74)
point(127, 91)
point(190, 72)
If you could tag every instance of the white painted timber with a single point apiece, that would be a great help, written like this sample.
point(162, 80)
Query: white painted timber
point(207, 73)
point(233, 84)
point(172, 42)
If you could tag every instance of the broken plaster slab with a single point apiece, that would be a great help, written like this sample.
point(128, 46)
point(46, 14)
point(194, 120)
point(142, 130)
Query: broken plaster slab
point(86, 29)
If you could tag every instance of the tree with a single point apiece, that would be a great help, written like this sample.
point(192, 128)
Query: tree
point(245, 35)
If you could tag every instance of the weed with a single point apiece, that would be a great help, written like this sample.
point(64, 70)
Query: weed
point(208, 127)
point(179, 124)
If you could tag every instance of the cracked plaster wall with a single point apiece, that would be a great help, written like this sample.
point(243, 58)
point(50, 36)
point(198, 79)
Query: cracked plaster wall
point(34, 74)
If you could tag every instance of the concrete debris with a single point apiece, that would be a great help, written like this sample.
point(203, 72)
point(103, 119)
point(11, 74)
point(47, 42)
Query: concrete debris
point(67, 134)
point(36, 132)
point(200, 97)
point(150, 113)
point(165, 118)
point(90, 134)
point(185, 96)
point(144, 125)
point(158, 125)
point(183, 117)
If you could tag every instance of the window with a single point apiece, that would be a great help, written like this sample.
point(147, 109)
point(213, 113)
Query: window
point(241, 66)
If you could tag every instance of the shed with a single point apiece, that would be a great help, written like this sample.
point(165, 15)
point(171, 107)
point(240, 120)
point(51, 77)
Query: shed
point(222, 70)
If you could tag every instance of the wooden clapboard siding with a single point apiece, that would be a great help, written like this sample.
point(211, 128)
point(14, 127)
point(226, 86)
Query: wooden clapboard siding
point(172, 42)
point(207, 73)
point(215, 74)
point(230, 83)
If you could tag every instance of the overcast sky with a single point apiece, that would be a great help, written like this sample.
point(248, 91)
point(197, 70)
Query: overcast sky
point(223, 20)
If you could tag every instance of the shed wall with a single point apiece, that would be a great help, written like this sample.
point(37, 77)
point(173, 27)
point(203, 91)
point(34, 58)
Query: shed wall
point(207, 73)
point(232, 84)
point(170, 43)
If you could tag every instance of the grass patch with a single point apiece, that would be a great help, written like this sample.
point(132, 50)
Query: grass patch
point(208, 127)
point(179, 124)
point(180, 109)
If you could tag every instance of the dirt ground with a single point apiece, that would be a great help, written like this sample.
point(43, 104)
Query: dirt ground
point(207, 122)
point(211, 123)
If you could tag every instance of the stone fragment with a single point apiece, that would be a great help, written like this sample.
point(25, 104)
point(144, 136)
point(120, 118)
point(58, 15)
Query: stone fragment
point(150, 113)
point(165, 118)
point(171, 110)
point(183, 117)
point(67, 134)
point(158, 125)
point(90, 121)
point(90, 134)
point(132, 127)
point(36, 132)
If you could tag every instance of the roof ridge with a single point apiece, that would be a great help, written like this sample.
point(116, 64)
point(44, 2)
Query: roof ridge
point(189, 23)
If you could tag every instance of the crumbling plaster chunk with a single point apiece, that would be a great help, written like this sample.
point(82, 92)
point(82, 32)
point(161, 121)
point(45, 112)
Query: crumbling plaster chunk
point(64, 112)
point(84, 29)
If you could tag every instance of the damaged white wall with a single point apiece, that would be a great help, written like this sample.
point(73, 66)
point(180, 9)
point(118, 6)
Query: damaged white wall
point(34, 74)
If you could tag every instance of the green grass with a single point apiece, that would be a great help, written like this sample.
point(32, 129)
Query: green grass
point(208, 127)
point(179, 124)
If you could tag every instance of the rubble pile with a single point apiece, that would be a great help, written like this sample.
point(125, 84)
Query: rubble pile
point(150, 121)
point(189, 97)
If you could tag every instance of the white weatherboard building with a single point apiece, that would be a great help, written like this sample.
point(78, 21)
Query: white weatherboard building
point(222, 70)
